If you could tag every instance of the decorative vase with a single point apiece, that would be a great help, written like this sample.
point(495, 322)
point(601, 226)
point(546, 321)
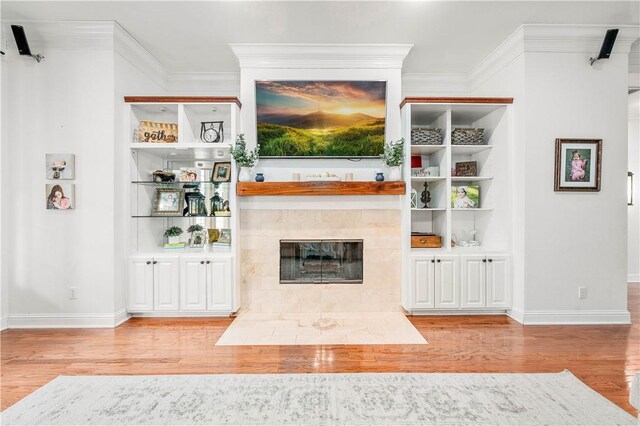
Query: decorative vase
point(174, 240)
point(245, 174)
point(379, 176)
point(259, 177)
point(394, 173)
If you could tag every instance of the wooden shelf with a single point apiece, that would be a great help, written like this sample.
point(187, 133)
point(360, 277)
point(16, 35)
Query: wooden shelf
point(183, 99)
point(320, 188)
point(456, 100)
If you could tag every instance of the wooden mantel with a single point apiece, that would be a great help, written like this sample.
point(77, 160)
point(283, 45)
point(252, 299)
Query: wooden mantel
point(320, 188)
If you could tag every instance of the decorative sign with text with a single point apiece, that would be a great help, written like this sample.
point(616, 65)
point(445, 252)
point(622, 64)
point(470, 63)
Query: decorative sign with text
point(157, 132)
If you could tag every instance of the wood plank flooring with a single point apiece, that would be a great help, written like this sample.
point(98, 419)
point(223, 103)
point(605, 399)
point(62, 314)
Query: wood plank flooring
point(605, 357)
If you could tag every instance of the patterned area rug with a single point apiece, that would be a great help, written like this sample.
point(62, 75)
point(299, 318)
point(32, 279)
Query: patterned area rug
point(319, 399)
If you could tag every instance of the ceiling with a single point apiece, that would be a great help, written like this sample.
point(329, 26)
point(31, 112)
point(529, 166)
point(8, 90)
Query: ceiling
point(448, 37)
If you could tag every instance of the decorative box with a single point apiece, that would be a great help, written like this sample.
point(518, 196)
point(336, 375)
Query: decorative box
point(425, 136)
point(465, 136)
point(425, 240)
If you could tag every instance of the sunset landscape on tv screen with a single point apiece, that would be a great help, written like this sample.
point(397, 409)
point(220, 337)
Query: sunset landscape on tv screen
point(320, 118)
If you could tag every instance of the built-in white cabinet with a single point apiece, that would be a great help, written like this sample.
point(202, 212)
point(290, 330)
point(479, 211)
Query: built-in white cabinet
point(219, 285)
point(460, 282)
point(153, 283)
point(205, 284)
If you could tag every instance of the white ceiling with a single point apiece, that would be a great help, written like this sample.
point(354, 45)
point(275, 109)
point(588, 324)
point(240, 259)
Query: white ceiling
point(447, 36)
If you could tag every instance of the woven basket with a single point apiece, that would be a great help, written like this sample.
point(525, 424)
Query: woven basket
point(156, 132)
point(425, 136)
point(464, 136)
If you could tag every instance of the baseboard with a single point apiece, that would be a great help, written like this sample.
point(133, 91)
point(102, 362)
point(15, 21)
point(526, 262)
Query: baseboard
point(121, 317)
point(516, 314)
point(67, 320)
point(633, 278)
point(427, 312)
point(180, 314)
point(3, 323)
point(576, 317)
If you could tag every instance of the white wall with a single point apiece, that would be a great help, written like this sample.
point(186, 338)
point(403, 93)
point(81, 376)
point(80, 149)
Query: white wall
point(575, 239)
point(62, 105)
point(633, 267)
point(4, 281)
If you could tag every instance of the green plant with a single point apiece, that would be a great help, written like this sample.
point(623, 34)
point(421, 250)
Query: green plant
point(240, 154)
point(194, 228)
point(393, 153)
point(174, 231)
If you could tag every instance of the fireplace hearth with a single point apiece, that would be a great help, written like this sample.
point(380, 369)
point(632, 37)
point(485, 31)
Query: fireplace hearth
point(321, 261)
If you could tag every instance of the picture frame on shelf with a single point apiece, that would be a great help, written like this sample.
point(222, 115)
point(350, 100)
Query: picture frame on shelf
point(578, 165)
point(188, 174)
point(214, 234)
point(60, 166)
point(60, 196)
point(168, 202)
point(466, 168)
point(225, 236)
point(221, 172)
point(465, 197)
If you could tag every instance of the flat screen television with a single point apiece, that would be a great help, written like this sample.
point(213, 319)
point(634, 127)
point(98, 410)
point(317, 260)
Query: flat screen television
point(320, 118)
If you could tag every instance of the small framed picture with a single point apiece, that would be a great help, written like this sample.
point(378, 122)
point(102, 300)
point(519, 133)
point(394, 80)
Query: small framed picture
point(188, 174)
point(60, 166)
point(465, 197)
point(467, 168)
point(578, 164)
point(168, 202)
point(60, 197)
point(225, 236)
point(214, 234)
point(221, 172)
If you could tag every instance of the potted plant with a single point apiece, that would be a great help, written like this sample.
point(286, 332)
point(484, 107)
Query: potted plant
point(197, 235)
point(393, 157)
point(173, 234)
point(244, 160)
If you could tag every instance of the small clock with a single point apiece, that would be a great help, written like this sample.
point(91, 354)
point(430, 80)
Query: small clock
point(211, 131)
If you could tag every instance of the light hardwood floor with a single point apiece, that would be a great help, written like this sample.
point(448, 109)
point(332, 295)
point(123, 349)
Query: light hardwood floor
point(605, 357)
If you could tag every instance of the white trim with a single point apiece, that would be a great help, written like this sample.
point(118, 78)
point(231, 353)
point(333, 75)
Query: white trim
point(516, 314)
point(203, 83)
point(576, 317)
point(425, 84)
point(634, 80)
point(577, 38)
point(310, 56)
point(121, 317)
point(94, 35)
point(446, 312)
point(181, 314)
point(83, 320)
point(3, 323)
point(134, 53)
point(504, 54)
point(633, 278)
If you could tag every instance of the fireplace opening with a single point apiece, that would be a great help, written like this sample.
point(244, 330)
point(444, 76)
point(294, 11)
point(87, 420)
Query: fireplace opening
point(321, 261)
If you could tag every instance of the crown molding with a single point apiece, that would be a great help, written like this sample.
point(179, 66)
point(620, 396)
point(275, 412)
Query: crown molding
point(500, 57)
point(576, 38)
point(218, 83)
point(139, 57)
point(424, 84)
point(45, 35)
point(312, 56)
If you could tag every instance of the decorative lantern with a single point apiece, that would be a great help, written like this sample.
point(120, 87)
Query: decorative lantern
point(196, 205)
point(216, 203)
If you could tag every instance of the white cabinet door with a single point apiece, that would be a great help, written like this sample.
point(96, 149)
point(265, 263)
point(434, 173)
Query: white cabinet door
point(422, 279)
point(498, 282)
point(447, 295)
point(193, 284)
point(473, 281)
point(165, 284)
point(140, 284)
point(219, 285)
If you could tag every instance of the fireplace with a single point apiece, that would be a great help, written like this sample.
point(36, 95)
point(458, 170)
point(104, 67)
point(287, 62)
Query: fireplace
point(321, 261)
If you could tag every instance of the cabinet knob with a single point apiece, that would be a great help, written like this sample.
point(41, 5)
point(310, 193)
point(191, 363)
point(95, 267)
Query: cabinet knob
point(484, 260)
point(148, 262)
point(208, 262)
point(490, 260)
point(438, 260)
point(155, 261)
point(202, 262)
point(423, 241)
point(433, 261)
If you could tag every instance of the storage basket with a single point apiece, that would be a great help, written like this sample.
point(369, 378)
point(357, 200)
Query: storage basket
point(425, 136)
point(156, 132)
point(419, 240)
point(465, 136)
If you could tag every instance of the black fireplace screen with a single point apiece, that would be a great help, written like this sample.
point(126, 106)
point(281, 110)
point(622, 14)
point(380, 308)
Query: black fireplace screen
point(320, 261)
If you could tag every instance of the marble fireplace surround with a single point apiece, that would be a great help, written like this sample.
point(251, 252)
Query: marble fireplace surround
point(260, 235)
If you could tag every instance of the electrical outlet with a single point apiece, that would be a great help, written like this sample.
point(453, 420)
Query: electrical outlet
point(73, 293)
point(582, 292)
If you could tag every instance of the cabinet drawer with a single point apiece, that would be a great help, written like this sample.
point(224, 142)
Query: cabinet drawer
point(426, 241)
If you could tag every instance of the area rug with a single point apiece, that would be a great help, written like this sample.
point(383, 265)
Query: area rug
point(318, 399)
point(334, 328)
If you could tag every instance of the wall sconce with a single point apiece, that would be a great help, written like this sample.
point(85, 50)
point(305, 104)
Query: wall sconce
point(629, 188)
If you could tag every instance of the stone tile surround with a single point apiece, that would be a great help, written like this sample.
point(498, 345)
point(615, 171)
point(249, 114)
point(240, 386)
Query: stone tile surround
point(260, 235)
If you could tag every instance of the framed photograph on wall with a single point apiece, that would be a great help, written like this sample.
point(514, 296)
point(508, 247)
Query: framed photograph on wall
point(60, 166)
point(578, 164)
point(60, 197)
point(221, 172)
point(168, 202)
